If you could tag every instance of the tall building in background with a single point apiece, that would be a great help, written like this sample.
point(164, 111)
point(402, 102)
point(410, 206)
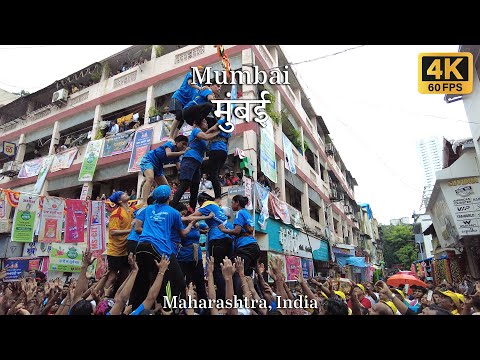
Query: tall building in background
point(430, 153)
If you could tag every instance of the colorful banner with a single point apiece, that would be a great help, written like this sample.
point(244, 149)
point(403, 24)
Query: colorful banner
point(65, 257)
point(247, 182)
point(12, 197)
point(166, 125)
point(295, 217)
point(293, 267)
point(278, 208)
point(24, 219)
point(141, 146)
point(271, 256)
point(268, 163)
point(37, 249)
point(75, 221)
point(42, 175)
point(30, 168)
point(63, 160)
point(84, 193)
point(52, 220)
point(118, 143)
point(96, 225)
point(19, 267)
point(90, 160)
point(262, 196)
point(288, 155)
point(45, 264)
point(9, 149)
point(307, 268)
point(321, 253)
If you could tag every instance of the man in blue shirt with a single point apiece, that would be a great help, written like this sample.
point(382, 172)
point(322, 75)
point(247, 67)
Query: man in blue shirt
point(219, 244)
point(155, 224)
point(152, 163)
point(132, 238)
point(200, 106)
point(181, 97)
point(217, 155)
point(192, 161)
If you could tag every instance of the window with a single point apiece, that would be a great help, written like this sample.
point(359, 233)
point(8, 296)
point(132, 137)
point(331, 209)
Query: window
point(314, 211)
point(293, 196)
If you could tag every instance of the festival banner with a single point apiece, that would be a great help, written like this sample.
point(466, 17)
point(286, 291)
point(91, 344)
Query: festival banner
point(12, 197)
point(75, 221)
point(84, 193)
point(271, 256)
point(295, 217)
point(63, 160)
point(141, 146)
point(268, 163)
point(42, 175)
point(288, 154)
point(96, 225)
point(247, 182)
point(37, 249)
point(293, 267)
point(19, 267)
point(30, 168)
point(90, 160)
point(278, 208)
point(65, 257)
point(45, 264)
point(307, 268)
point(24, 219)
point(262, 196)
point(118, 143)
point(52, 220)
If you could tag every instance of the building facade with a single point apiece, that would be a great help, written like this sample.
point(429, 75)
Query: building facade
point(322, 190)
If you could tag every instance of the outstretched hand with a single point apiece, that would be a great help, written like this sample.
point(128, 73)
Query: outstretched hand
point(163, 264)
point(132, 261)
point(228, 269)
point(210, 265)
point(88, 257)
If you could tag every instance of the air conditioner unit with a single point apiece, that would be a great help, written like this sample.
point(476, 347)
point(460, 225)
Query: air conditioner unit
point(10, 169)
point(329, 149)
point(60, 96)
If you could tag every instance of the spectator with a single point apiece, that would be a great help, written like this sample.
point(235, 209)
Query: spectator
point(167, 114)
point(221, 179)
point(114, 128)
point(205, 184)
point(234, 179)
point(133, 194)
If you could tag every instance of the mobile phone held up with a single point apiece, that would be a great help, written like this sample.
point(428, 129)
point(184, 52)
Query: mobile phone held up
point(429, 295)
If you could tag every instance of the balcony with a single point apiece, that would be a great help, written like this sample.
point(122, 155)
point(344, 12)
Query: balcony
point(131, 76)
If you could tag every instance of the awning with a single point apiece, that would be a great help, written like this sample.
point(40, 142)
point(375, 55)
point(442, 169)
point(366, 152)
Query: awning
point(356, 261)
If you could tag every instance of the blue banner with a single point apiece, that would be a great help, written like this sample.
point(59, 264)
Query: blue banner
point(141, 146)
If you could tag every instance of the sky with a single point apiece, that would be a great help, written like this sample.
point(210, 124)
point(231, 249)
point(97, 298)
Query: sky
point(367, 97)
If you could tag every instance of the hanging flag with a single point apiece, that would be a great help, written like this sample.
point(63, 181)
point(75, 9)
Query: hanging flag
point(247, 182)
point(12, 197)
point(279, 209)
point(90, 160)
point(75, 221)
point(96, 225)
point(268, 162)
point(42, 175)
point(262, 196)
point(51, 220)
point(30, 168)
point(288, 155)
point(63, 160)
point(24, 218)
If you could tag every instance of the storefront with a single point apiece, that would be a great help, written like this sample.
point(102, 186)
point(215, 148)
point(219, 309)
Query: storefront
point(296, 249)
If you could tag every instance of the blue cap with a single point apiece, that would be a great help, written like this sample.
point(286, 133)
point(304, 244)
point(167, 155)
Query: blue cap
point(161, 193)
point(115, 197)
point(203, 226)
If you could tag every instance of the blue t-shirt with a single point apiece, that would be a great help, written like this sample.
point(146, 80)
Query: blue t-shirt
point(159, 220)
point(244, 219)
point(220, 218)
point(186, 251)
point(133, 234)
point(200, 98)
point(185, 92)
point(138, 310)
point(158, 157)
point(221, 145)
point(197, 146)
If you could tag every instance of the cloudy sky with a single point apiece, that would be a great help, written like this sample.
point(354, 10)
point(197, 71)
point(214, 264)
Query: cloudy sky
point(368, 98)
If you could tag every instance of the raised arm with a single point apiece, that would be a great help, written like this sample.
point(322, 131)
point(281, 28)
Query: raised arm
point(239, 264)
point(384, 290)
point(306, 289)
point(138, 226)
point(173, 154)
point(183, 233)
point(211, 285)
point(122, 298)
point(157, 284)
point(204, 136)
point(228, 270)
point(82, 282)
